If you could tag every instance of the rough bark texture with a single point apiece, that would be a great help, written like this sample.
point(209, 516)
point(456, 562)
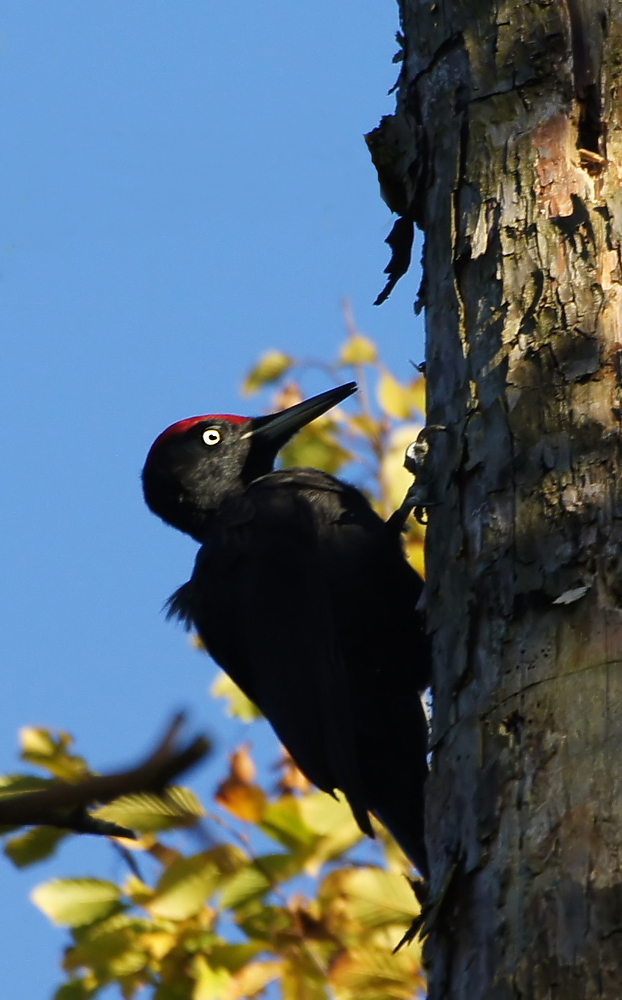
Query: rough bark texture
point(506, 149)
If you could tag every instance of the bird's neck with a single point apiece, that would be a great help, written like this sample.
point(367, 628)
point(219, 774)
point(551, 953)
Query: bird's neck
point(196, 513)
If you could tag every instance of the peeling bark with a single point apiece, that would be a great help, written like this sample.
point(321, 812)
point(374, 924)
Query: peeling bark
point(506, 149)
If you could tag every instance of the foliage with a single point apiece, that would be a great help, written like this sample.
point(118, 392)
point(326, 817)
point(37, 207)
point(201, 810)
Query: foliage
point(276, 895)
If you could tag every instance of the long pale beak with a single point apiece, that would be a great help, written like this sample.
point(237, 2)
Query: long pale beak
point(277, 428)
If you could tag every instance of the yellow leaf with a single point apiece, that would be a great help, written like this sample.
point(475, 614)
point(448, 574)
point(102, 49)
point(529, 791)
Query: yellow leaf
point(394, 477)
point(52, 752)
point(414, 549)
point(360, 899)
point(332, 819)
point(417, 393)
point(210, 984)
point(358, 350)
point(316, 446)
point(159, 943)
point(138, 891)
point(371, 972)
point(365, 425)
point(246, 802)
point(238, 704)
point(270, 367)
point(147, 812)
point(302, 979)
point(284, 822)
point(74, 902)
point(400, 401)
point(188, 882)
point(252, 979)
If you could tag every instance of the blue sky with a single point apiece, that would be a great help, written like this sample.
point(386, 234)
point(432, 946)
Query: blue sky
point(184, 185)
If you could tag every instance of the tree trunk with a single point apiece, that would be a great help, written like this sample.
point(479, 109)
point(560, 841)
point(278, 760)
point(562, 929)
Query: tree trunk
point(506, 149)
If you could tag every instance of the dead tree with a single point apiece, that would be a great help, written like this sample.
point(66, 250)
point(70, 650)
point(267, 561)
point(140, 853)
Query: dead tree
point(506, 150)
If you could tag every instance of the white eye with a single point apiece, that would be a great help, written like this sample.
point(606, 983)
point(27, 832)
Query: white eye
point(211, 435)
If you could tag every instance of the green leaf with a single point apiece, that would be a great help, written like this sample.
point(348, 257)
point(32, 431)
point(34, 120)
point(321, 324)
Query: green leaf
point(148, 813)
point(257, 878)
point(335, 825)
point(40, 747)
point(178, 989)
point(284, 822)
point(271, 366)
point(253, 978)
point(76, 901)
point(117, 953)
point(233, 956)
point(188, 882)
point(370, 972)
point(301, 979)
point(12, 784)
point(210, 983)
point(34, 845)
point(265, 923)
point(372, 897)
point(238, 704)
point(75, 990)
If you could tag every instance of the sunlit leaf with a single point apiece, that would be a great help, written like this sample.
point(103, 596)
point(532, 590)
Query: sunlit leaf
point(34, 845)
point(118, 953)
point(238, 793)
point(252, 979)
point(159, 943)
point(97, 942)
point(272, 365)
point(12, 784)
point(366, 897)
point(291, 778)
point(398, 400)
point(146, 812)
point(369, 972)
point(358, 350)
point(186, 885)
point(301, 979)
point(414, 548)
point(210, 983)
point(51, 752)
point(137, 890)
point(316, 447)
point(283, 821)
point(244, 801)
point(335, 825)
point(238, 704)
point(234, 956)
point(257, 878)
point(76, 901)
point(396, 479)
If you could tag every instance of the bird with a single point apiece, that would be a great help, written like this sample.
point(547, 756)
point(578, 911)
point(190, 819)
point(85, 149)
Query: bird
point(303, 595)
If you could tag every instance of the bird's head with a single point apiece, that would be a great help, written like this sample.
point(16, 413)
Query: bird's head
point(195, 464)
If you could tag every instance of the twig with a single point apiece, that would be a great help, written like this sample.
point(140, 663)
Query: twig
point(64, 805)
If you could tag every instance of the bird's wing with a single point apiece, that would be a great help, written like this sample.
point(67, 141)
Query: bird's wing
point(374, 595)
point(260, 600)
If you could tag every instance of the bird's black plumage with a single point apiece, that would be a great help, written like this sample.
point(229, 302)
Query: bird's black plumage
point(302, 594)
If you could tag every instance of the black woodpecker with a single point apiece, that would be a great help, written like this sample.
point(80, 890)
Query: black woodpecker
point(301, 592)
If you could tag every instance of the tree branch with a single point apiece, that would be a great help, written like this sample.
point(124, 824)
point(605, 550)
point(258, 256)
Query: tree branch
point(65, 805)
